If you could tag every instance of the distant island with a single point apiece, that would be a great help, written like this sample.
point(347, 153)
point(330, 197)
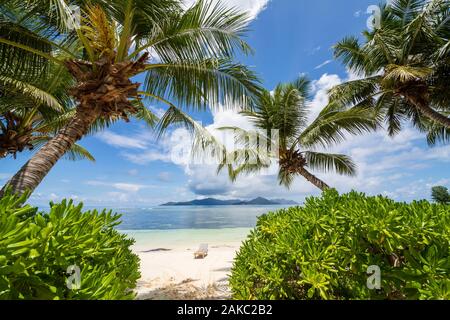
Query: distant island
point(236, 202)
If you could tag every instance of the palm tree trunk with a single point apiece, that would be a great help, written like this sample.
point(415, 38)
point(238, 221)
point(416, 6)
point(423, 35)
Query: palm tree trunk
point(313, 179)
point(425, 109)
point(35, 170)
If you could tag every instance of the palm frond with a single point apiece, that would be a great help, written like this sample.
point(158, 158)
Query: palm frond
point(37, 94)
point(208, 29)
point(303, 85)
point(405, 10)
point(77, 152)
point(332, 125)
point(349, 51)
point(404, 74)
point(22, 52)
point(438, 134)
point(145, 114)
point(202, 83)
point(204, 143)
point(419, 30)
point(327, 162)
point(285, 178)
point(390, 105)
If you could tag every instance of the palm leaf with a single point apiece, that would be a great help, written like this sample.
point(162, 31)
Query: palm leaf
point(353, 92)
point(206, 30)
point(37, 94)
point(327, 162)
point(203, 143)
point(332, 125)
point(145, 114)
point(202, 83)
point(350, 53)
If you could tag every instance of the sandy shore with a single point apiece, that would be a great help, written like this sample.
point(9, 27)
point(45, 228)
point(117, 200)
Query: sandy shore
point(169, 270)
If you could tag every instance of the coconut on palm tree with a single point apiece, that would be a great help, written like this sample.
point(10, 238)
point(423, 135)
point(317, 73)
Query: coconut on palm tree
point(33, 109)
point(404, 65)
point(183, 56)
point(24, 130)
point(298, 139)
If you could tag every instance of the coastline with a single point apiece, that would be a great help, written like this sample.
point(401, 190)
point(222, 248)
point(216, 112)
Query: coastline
point(169, 270)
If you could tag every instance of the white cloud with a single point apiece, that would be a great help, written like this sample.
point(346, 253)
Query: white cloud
point(119, 141)
point(133, 172)
point(321, 88)
point(123, 186)
point(323, 64)
point(128, 187)
point(164, 176)
point(147, 157)
point(53, 197)
point(117, 197)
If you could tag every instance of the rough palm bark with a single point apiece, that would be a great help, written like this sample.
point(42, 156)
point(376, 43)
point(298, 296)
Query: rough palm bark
point(313, 179)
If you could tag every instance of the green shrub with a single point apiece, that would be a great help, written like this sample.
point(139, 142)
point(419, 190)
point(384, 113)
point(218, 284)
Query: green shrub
point(36, 250)
point(323, 250)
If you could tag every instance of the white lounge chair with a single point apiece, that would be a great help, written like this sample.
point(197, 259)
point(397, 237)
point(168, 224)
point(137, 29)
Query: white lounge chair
point(202, 251)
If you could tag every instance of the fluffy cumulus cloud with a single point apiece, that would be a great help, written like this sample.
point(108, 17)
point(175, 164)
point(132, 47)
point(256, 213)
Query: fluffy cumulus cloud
point(320, 88)
point(123, 186)
point(120, 141)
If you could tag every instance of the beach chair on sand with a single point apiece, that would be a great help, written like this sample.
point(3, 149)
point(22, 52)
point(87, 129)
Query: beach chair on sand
point(202, 251)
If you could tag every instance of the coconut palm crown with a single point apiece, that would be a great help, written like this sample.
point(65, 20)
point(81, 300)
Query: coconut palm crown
point(33, 109)
point(285, 110)
point(403, 67)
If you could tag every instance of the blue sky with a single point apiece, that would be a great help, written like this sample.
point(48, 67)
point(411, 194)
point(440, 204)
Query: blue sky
point(289, 38)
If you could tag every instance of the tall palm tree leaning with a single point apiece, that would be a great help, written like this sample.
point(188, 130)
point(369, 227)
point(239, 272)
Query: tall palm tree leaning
point(404, 65)
point(192, 65)
point(285, 110)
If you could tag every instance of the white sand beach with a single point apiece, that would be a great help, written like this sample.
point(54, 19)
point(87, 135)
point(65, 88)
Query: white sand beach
point(168, 267)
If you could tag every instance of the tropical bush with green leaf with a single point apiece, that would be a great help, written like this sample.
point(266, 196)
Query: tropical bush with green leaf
point(36, 250)
point(323, 249)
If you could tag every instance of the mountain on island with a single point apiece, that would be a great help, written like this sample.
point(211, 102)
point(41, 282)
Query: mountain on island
point(217, 202)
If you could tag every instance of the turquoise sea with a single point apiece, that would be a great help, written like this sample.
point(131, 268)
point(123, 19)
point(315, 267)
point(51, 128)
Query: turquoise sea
point(192, 217)
point(171, 227)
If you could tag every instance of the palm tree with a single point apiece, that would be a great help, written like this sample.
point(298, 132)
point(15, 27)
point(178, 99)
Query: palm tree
point(185, 56)
point(33, 110)
point(286, 110)
point(404, 65)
